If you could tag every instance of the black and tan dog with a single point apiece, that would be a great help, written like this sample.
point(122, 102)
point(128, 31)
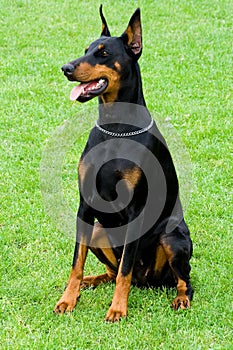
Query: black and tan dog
point(139, 243)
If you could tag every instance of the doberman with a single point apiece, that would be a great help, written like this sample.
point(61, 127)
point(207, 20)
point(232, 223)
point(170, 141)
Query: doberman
point(141, 242)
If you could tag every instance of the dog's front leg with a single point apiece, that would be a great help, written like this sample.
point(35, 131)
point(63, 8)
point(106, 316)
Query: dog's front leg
point(119, 305)
point(72, 292)
point(118, 308)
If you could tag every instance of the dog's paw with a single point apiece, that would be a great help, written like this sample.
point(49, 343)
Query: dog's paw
point(88, 282)
point(65, 304)
point(181, 302)
point(115, 315)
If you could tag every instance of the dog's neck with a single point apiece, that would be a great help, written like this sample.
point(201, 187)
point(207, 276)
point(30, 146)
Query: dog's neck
point(123, 117)
point(129, 107)
point(132, 92)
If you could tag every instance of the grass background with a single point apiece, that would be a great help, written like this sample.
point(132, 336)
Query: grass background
point(187, 75)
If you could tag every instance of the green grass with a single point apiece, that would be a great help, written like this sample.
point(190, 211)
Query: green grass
point(187, 75)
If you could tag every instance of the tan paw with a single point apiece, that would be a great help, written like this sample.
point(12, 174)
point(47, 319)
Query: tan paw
point(115, 315)
point(65, 305)
point(87, 283)
point(181, 302)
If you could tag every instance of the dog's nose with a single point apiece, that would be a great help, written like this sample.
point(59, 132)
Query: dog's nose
point(68, 69)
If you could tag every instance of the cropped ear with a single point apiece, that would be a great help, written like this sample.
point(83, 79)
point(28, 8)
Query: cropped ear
point(105, 30)
point(132, 37)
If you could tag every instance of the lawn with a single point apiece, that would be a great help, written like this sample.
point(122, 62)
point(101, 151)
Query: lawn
point(187, 77)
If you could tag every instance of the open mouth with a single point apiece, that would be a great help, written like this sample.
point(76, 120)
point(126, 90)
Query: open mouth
point(85, 91)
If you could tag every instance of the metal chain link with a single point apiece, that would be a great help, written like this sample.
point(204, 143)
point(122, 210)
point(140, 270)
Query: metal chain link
point(124, 134)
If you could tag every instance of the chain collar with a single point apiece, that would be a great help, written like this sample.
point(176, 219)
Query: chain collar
point(124, 134)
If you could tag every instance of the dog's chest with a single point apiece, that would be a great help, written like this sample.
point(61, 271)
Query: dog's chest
point(108, 178)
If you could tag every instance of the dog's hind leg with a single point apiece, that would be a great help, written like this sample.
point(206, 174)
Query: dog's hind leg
point(94, 281)
point(178, 249)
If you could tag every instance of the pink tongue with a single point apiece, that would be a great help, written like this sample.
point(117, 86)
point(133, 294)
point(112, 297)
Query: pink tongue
point(76, 91)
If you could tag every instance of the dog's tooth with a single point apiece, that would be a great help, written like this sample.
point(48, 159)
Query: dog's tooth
point(98, 85)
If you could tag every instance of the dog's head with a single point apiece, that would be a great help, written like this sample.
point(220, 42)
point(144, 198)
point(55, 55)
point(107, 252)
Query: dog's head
point(106, 62)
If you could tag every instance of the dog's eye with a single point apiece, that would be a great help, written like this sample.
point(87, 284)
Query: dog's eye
point(104, 53)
